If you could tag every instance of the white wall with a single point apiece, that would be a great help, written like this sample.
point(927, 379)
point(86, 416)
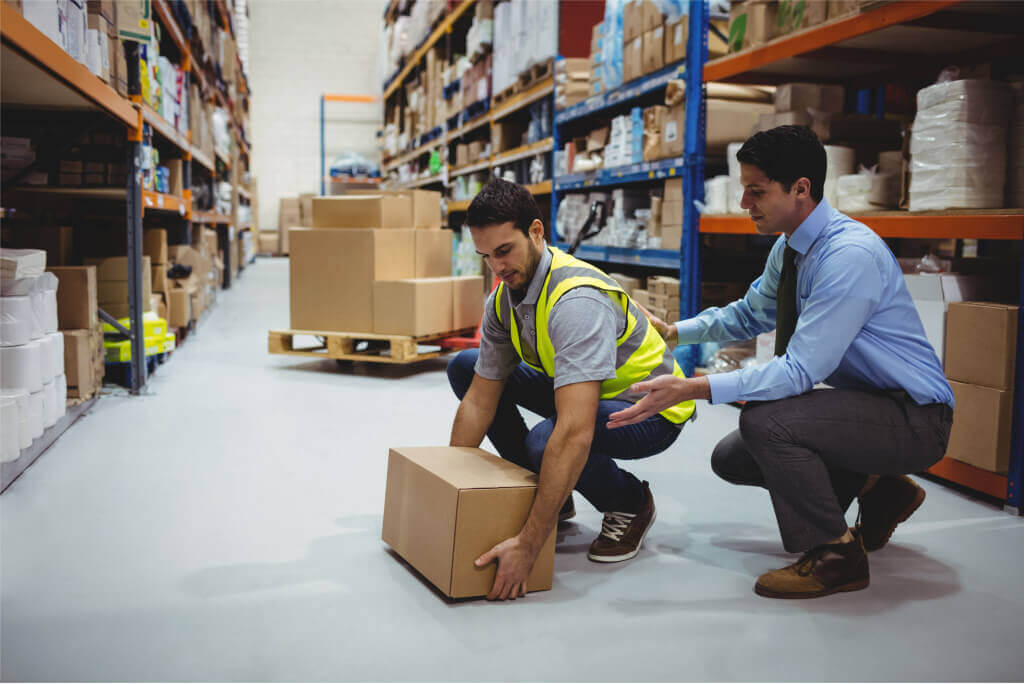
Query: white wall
point(298, 50)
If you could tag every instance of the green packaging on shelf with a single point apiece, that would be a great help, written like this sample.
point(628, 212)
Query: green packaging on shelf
point(752, 24)
point(134, 20)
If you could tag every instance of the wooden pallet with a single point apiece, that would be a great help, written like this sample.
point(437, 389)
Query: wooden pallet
point(535, 74)
point(379, 348)
point(502, 97)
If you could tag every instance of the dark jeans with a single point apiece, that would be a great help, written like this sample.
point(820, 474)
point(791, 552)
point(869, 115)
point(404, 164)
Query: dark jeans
point(602, 482)
point(814, 453)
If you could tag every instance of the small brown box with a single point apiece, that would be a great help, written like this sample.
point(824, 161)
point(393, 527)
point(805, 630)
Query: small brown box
point(414, 307)
point(76, 296)
point(154, 245)
point(675, 48)
point(981, 434)
point(672, 132)
point(363, 211)
point(467, 301)
point(981, 344)
point(652, 49)
point(433, 253)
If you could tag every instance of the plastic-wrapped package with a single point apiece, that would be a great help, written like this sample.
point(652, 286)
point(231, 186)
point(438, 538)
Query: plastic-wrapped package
point(35, 413)
point(49, 404)
point(968, 100)
point(612, 46)
point(852, 192)
point(17, 320)
point(20, 399)
point(21, 367)
point(572, 214)
point(9, 448)
point(959, 143)
point(717, 195)
point(672, 9)
point(16, 264)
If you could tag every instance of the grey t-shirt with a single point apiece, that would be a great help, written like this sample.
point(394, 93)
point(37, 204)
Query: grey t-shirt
point(583, 327)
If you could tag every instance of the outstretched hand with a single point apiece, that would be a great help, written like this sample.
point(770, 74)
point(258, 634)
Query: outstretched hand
point(662, 392)
point(515, 561)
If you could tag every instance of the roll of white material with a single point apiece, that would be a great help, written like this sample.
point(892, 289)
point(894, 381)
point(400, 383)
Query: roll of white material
point(49, 404)
point(891, 161)
point(62, 394)
point(717, 194)
point(21, 366)
point(47, 370)
point(48, 317)
point(15, 320)
point(731, 159)
point(736, 191)
point(57, 351)
point(20, 398)
point(839, 161)
point(35, 414)
point(852, 192)
point(829, 192)
point(9, 447)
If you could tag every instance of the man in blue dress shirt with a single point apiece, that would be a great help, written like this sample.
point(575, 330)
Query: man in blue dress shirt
point(843, 316)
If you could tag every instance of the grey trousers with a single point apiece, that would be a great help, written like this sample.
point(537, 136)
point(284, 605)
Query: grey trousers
point(814, 453)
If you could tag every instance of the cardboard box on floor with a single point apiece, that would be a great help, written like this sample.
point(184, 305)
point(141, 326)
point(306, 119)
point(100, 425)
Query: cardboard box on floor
point(981, 434)
point(76, 296)
point(981, 344)
point(931, 293)
point(445, 506)
point(78, 362)
point(331, 275)
point(414, 307)
point(179, 307)
point(154, 245)
point(289, 216)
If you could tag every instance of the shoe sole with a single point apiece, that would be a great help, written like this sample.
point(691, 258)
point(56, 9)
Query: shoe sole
point(908, 512)
point(624, 556)
point(563, 517)
point(850, 586)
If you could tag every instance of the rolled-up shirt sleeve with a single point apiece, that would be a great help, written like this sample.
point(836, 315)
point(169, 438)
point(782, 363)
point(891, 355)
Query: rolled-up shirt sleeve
point(497, 358)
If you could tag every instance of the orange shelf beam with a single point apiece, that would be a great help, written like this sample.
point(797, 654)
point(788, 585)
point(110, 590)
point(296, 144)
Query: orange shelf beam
point(825, 35)
point(164, 14)
point(18, 32)
point(974, 478)
point(159, 201)
point(994, 225)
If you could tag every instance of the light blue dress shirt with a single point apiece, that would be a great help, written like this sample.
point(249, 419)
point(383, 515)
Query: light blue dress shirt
point(857, 327)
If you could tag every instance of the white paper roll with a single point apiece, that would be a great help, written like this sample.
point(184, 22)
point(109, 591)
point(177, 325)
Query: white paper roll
point(20, 398)
point(57, 352)
point(35, 414)
point(736, 196)
point(15, 320)
point(49, 404)
point(839, 161)
point(9, 447)
point(731, 159)
point(38, 298)
point(62, 394)
point(49, 315)
point(891, 161)
point(46, 357)
point(21, 366)
point(717, 194)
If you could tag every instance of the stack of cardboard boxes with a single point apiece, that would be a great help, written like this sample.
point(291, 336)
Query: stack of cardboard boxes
point(572, 81)
point(980, 363)
point(652, 41)
point(83, 333)
point(670, 219)
point(379, 263)
point(756, 22)
point(112, 284)
point(595, 78)
point(661, 297)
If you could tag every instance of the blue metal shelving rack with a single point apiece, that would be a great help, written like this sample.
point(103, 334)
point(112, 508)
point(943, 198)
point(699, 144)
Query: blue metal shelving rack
point(690, 167)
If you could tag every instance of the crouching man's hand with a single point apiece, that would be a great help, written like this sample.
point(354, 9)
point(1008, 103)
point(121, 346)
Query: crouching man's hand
point(515, 560)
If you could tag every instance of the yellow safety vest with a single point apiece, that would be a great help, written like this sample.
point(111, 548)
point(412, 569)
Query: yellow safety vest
point(641, 353)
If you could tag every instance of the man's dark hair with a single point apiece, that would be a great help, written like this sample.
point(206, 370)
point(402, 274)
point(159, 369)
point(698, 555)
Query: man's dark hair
point(787, 153)
point(500, 202)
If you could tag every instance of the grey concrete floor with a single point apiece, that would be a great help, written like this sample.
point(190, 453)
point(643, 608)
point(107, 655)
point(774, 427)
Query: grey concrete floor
point(226, 526)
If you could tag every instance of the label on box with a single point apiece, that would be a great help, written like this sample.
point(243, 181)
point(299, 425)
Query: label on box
point(678, 35)
point(670, 131)
point(482, 89)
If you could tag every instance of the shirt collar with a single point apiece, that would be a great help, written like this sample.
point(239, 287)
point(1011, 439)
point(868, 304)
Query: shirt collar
point(810, 229)
point(538, 281)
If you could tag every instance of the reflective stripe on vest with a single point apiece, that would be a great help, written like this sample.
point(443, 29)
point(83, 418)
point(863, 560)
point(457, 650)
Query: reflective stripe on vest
point(641, 353)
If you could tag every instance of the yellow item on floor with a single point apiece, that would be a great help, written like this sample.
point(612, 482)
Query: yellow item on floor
point(120, 351)
point(169, 343)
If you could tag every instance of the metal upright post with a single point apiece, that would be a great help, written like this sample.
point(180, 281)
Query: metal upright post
point(133, 222)
point(694, 171)
point(323, 171)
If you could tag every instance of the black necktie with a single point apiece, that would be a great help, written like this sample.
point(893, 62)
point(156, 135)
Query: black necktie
point(786, 300)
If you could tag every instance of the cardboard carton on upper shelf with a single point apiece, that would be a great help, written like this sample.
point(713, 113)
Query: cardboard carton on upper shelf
point(134, 20)
point(981, 434)
point(414, 307)
point(652, 50)
point(331, 275)
point(752, 23)
point(467, 301)
point(672, 131)
point(363, 211)
point(651, 15)
point(803, 96)
point(445, 506)
point(931, 294)
point(633, 59)
point(154, 245)
point(675, 45)
point(981, 344)
point(633, 20)
point(730, 120)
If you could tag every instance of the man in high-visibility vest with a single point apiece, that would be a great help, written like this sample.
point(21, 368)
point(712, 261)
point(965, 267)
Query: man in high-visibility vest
point(562, 339)
point(836, 297)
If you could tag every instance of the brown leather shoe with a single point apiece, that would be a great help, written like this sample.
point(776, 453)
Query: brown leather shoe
point(890, 502)
point(824, 570)
point(622, 533)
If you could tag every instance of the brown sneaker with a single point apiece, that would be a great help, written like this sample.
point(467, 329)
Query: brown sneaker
point(824, 570)
point(890, 502)
point(568, 509)
point(622, 533)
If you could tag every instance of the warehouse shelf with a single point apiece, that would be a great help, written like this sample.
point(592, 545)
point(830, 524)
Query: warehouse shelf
point(222, 10)
point(542, 188)
point(203, 160)
point(527, 97)
point(898, 35)
point(163, 12)
point(245, 193)
point(421, 182)
point(983, 224)
point(210, 217)
point(623, 94)
point(470, 168)
point(619, 175)
point(37, 72)
point(81, 193)
point(9, 472)
point(166, 129)
point(522, 152)
point(472, 125)
point(992, 484)
point(458, 205)
point(444, 27)
point(161, 202)
point(651, 258)
point(407, 157)
point(220, 155)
